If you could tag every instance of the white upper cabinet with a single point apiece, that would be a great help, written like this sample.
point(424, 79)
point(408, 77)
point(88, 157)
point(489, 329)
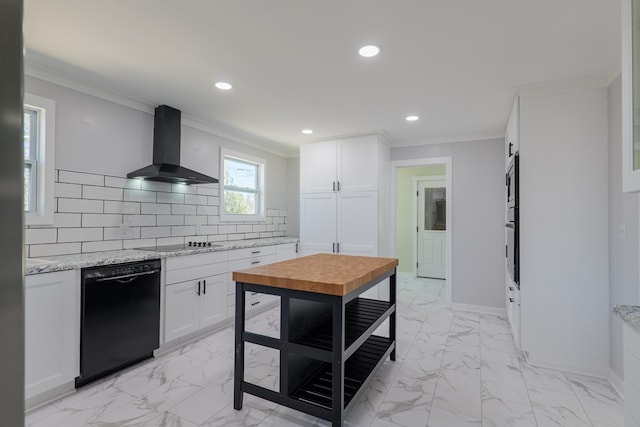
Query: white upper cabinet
point(349, 164)
point(318, 167)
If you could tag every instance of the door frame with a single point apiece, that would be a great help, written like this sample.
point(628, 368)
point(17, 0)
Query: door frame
point(448, 162)
point(415, 180)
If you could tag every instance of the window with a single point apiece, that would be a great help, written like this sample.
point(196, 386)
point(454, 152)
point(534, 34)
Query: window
point(38, 149)
point(243, 187)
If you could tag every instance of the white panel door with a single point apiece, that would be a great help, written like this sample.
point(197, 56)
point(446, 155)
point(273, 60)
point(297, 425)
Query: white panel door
point(213, 300)
point(318, 167)
point(358, 164)
point(51, 325)
point(431, 229)
point(358, 223)
point(182, 310)
point(317, 223)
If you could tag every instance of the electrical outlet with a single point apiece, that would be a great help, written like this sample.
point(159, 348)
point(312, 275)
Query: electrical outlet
point(622, 231)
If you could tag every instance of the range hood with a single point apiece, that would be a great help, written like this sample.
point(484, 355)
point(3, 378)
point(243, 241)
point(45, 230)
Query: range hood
point(166, 152)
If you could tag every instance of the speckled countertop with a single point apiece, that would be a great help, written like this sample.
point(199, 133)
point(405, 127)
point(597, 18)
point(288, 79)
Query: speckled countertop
point(71, 262)
point(630, 314)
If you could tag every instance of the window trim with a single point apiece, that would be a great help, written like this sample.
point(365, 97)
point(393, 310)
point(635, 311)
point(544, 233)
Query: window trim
point(260, 193)
point(45, 166)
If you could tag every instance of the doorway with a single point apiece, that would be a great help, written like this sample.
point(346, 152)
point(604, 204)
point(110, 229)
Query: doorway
point(431, 226)
point(434, 173)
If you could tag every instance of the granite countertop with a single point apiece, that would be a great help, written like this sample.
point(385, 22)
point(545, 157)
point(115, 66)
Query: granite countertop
point(630, 314)
point(72, 262)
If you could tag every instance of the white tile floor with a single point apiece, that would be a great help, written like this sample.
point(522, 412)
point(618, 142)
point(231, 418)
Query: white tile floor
point(453, 369)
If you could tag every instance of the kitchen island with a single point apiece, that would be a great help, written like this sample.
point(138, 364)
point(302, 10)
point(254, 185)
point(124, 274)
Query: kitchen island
point(328, 349)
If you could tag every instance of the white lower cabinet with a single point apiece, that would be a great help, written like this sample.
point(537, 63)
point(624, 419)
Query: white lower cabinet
point(241, 259)
point(52, 328)
point(286, 251)
point(195, 293)
point(631, 344)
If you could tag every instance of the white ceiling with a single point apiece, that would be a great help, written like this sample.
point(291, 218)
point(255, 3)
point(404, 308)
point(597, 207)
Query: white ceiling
point(294, 63)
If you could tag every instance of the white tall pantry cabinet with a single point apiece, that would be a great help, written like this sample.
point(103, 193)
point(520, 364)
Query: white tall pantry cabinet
point(563, 140)
point(344, 198)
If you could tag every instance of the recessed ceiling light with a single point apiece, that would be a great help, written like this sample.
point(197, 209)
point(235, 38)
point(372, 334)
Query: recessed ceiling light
point(411, 118)
point(307, 131)
point(369, 50)
point(224, 85)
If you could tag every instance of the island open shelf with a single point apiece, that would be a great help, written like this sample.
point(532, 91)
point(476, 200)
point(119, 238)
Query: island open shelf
point(326, 330)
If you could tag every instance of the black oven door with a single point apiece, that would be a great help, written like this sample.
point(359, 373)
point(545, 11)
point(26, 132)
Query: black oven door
point(512, 252)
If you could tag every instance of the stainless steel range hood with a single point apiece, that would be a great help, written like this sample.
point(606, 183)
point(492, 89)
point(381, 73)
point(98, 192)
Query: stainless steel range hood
point(166, 152)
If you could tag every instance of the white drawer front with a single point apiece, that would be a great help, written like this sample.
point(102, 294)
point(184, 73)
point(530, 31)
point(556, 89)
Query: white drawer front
point(194, 273)
point(251, 252)
point(188, 261)
point(243, 264)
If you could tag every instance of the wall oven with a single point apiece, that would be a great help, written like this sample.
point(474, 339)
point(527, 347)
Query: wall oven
point(513, 220)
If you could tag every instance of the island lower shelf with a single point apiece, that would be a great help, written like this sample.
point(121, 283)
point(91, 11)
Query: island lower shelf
point(317, 390)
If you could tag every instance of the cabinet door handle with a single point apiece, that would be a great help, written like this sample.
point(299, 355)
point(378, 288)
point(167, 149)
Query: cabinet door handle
point(510, 299)
point(198, 288)
point(511, 288)
point(338, 185)
point(296, 247)
point(204, 286)
point(333, 248)
point(334, 186)
point(510, 147)
point(337, 247)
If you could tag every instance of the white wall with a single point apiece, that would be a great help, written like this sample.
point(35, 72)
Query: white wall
point(98, 136)
point(623, 253)
point(477, 220)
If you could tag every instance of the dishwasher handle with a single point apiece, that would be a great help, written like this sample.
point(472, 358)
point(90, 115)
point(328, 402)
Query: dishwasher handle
point(126, 276)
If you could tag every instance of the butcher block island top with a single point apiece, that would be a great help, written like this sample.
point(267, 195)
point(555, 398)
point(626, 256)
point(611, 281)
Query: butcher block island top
point(329, 274)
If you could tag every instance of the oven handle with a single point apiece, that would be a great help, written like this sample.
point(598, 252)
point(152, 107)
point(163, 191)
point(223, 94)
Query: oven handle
point(145, 273)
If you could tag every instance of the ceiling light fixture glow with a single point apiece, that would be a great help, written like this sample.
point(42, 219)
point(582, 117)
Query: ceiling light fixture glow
point(369, 51)
point(224, 85)
point(411, 118)
point(307, 131)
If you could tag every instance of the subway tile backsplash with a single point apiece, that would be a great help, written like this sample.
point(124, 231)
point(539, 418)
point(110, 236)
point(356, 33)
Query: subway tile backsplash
point(95, 212)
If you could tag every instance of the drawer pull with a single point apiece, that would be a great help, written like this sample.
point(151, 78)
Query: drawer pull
point(256, 252)
point(254, 293)
point(255, 262)
point(255, 303)
point(510, 299)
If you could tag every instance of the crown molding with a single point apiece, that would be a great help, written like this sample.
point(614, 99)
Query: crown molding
point(41, 71)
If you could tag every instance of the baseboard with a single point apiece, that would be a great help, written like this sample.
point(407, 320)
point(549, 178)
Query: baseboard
point(616, 382)
point(479, 309)
point(35, 402)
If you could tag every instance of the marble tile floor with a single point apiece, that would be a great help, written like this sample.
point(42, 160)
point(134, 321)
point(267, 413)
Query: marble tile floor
point(453, 369)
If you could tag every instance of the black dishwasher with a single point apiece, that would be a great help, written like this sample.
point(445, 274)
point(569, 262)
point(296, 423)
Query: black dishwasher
point(120, 317)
